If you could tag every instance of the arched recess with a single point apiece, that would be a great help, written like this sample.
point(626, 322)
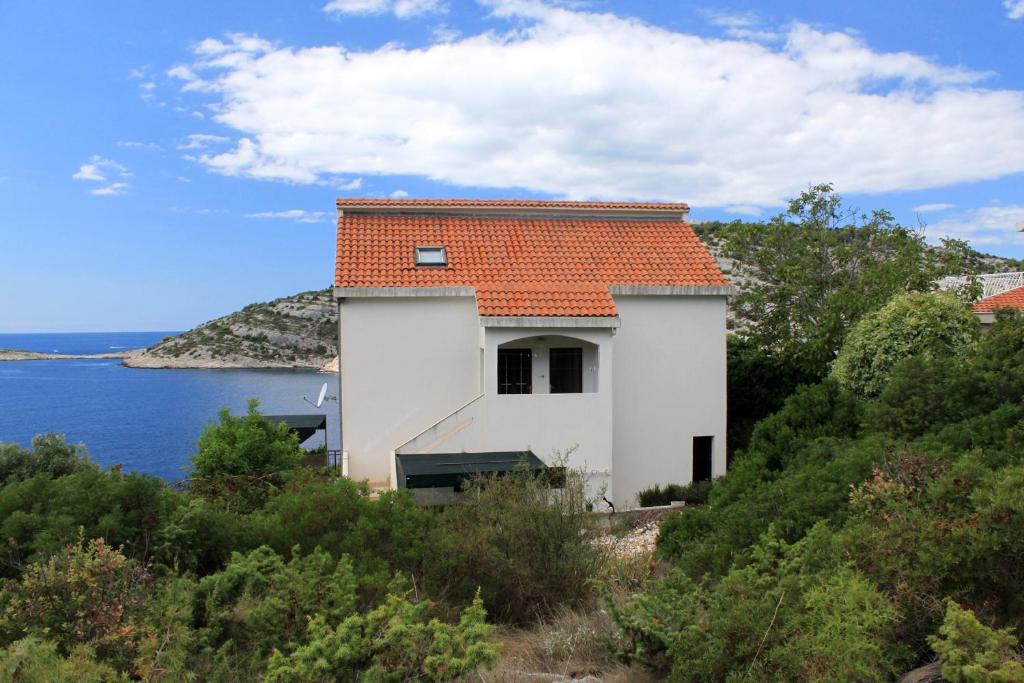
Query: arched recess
point(548, 364)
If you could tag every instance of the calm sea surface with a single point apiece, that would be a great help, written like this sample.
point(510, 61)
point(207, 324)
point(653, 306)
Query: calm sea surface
point(146, 420)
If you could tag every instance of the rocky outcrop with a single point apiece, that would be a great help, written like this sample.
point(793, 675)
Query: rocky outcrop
point(299, 331)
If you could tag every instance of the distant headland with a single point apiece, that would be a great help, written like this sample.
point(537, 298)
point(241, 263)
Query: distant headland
point(294, 332)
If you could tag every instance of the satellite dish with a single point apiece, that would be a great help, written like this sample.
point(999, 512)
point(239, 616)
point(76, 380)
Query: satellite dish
point(321, 397)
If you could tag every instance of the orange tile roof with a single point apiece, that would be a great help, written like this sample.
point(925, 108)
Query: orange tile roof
point(504, 299)
point(1011, 299)
point(522, 265)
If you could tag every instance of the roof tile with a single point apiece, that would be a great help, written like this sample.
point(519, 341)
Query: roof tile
point(1011, 299)
point(522, 265)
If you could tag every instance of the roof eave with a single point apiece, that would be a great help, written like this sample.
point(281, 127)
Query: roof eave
point(676, 213)
point(547, 321)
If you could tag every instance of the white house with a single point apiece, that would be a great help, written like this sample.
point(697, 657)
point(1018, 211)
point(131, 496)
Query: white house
point(472, 327)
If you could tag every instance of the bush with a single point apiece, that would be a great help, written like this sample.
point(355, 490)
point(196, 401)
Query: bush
point(395, 642)
point(260, 603)
point(695, 493)
point(380, 536)
point(792, 613)
point(89, 595)
point(32, 660)
point(910, 324)
point(525, 545)
point(245, 446)
point(759, 381)
point(971, 652)
point(50, 456)
point(40, 516)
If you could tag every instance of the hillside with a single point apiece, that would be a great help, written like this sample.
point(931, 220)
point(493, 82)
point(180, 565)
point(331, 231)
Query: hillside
point(298, 331)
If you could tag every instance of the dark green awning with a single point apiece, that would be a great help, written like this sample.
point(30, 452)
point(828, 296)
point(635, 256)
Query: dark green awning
point(437, 470)
point(303, 425)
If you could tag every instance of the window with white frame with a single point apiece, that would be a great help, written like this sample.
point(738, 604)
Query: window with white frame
point(431, 256)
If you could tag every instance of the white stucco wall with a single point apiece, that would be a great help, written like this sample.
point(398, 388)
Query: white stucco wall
point(573, 426)
point(405, 364)
point(670, 386)
point(650, 386)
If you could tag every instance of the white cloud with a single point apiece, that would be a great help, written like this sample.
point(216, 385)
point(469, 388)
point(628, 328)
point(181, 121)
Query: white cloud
point(111, 189)
point(403, 9)
point(1014, 8)
point(100, 170)
point(987, 226)
point(586, 105)
point(399, 194)
point(931, 208)
point(745, 210)
point(744, 26)
point(137, 144)
point(443, 33)
point(297, 215)
point(353, 184)
point(88, 172)
point(202, 141)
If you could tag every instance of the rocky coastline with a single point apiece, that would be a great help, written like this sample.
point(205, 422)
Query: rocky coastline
point(17, 354)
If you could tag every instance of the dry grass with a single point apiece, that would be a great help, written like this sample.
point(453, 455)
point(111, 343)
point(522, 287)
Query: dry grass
point(567, 646)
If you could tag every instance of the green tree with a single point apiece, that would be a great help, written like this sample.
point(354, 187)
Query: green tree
point(820, 266)
point(910, 324)
point(247, 445)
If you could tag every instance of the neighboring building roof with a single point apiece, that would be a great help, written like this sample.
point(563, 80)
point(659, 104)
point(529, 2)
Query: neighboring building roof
point(1011, 299)
point(524, 258)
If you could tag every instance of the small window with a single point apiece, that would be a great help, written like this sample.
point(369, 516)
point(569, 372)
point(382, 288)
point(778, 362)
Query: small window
point(566, 371)
point(702, 450)
point(431, 256)
point(515, 371)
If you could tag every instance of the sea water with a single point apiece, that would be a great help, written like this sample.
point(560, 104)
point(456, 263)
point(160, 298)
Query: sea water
point(146, 420)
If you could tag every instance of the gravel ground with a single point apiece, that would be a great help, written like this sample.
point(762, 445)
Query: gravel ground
point(639, 540)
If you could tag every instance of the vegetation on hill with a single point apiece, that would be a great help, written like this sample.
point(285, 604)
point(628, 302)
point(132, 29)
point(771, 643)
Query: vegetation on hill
point(293, 331)
point(264, 570)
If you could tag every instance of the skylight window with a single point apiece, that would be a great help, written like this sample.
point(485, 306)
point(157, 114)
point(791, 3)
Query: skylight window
point(431, 256)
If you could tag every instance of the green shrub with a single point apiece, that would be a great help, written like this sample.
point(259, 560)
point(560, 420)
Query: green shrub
point(695, 493)
point(971, 652)
point(759, 381)
point(32, 660)
point(380, 536)
point(245, 446)
point(792, 613)
point(260, 603)
point(397, 641)
point(89, 595)
point(910, 324)
point(51, 456)
point(524, 544)
point(39, 516)
point(199, 537)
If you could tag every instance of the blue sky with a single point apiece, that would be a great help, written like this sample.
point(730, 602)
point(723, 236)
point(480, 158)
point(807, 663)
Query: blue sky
point(162, 164)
